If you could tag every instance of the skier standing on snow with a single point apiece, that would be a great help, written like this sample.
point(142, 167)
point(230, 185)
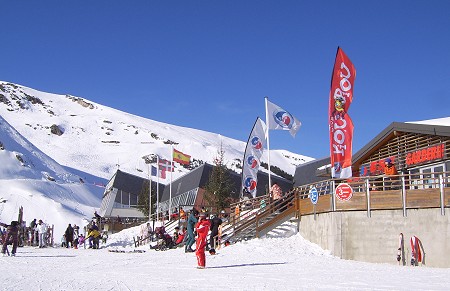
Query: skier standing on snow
point(215, 224)
point(12, 234)
point(69, 236)
point(192, 220)
point(202, 229)
point(42, 232)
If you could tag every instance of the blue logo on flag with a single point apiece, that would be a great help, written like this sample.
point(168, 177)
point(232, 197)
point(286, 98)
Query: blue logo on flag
point(283, 119)
point(256, 143)
point(252, 162)
point(250, 183)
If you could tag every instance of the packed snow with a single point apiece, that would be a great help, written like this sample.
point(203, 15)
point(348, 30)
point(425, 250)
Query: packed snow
point(59, 179)
point(273, 263)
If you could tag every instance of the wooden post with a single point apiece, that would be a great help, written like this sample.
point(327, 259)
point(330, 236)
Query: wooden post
point(442, 194)
point(368, 197)
point(256, 225)
point(404, 196)
point(333, 198)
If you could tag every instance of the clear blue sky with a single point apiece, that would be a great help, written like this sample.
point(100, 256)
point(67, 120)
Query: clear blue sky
point(209, 64)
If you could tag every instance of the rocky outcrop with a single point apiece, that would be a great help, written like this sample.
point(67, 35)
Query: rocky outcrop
point(56, 130)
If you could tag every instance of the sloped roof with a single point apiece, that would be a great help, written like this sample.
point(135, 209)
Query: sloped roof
point(390, 131)
point(307, 173)
point(130, 183)
point(199, 177)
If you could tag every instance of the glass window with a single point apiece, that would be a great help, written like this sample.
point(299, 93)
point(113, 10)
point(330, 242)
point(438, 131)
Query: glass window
point(133, 200)
point(427, 181)
point(414, 179)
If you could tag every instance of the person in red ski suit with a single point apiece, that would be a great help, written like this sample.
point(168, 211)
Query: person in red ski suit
point(202, 228)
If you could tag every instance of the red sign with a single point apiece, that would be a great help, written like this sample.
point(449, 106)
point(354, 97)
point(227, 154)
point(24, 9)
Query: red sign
point(340, 124)
point(436, 152)
point(375, 167)
point(344, 192)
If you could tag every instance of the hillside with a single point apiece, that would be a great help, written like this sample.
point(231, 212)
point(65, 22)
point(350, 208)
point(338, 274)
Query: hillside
point(95, 139)
point(59, 150)
point(45, 189)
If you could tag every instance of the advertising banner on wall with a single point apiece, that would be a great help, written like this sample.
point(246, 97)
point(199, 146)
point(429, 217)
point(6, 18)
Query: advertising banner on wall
point(340, 123)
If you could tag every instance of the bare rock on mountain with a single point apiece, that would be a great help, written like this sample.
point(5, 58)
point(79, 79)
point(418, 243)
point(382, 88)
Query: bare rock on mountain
point(56, 130)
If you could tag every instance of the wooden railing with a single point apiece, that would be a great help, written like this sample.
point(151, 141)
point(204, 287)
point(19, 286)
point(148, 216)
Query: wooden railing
point(380, 193)
point(425, 190)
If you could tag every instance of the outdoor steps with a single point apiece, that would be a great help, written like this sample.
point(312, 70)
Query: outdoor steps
point(272, 221)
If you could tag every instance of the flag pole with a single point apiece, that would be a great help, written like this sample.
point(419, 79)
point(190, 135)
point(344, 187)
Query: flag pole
point(157, 188)
point(170, 192)
point(268, 142)
point(149, 195)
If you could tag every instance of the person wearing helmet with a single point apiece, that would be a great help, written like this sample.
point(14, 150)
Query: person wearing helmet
point(202, 229)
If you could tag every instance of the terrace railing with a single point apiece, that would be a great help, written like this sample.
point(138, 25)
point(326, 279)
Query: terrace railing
point(415, 191)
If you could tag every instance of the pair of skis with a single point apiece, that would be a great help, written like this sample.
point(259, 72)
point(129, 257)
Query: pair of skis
point(401, 251)
point(416, 252)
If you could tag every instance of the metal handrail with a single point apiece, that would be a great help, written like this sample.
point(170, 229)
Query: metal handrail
point(367, 186)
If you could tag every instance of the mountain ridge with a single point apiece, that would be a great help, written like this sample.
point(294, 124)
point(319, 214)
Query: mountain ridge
point(114, 132)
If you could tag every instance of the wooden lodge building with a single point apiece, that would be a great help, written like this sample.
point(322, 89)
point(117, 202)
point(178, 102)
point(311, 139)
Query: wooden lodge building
point(379, 209)
point(419, 150)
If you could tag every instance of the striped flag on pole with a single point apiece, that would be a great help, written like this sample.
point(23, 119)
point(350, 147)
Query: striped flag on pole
point(181, 158)
point(164, 165)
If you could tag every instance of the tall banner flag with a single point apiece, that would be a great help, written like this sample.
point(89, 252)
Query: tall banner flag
point(278, 118)
point(252, 157)
point(181, 158)
point(340, 123)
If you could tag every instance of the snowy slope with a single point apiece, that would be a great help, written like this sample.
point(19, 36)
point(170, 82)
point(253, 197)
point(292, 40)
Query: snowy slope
point(45, 189)
point(97, 139)
point(54, 177)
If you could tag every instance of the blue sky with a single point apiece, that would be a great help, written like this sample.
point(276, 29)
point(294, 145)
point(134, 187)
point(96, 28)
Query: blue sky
point(209, 64)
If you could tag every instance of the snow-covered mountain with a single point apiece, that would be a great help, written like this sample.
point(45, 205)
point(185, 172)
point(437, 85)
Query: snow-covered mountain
point(96, 139)
point(57, 150)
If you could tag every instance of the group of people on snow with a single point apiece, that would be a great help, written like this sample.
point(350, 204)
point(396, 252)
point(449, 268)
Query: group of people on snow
point(72, 237)
point(37, 234)
point(193, 229)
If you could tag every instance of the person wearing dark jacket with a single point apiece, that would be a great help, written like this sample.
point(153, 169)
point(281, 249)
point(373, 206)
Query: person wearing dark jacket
point(12, 235)
point(69, 236)
point(192, 220)
point(215, 224)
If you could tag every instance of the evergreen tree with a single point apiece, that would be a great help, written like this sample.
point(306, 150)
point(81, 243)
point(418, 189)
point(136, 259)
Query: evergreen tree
point(219, 187)
point(143, 198)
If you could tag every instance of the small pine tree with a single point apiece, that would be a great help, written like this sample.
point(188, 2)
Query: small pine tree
point(143, 198)
point(219, 187)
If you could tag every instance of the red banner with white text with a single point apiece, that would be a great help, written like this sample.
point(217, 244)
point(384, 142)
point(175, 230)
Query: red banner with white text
point(340, 123)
